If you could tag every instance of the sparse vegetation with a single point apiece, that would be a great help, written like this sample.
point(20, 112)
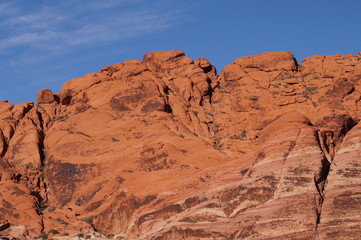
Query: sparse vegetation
point(277, 85)
point(42, 206)
point(80, 235)
point(70, 131)
point(29, 165)
point(292, 76)
point(195, 113)
point(307, 74)
point(59, 118)
point(88, 220)
point(224, 91)
point(9, 119)
point(305, 96)
point(261, 155)
point(216, 130)
point(42, 236)
point(115, 140)
point(242, 136)
point(217, 145)
point(53, 231)
point(203, 199)
point(51, 209)
point(254, 98)
point(309, 91)
point(61, 221)
point(40, 107)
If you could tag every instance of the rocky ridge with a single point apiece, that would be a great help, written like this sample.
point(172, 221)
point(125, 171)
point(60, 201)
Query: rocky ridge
point(165, 148)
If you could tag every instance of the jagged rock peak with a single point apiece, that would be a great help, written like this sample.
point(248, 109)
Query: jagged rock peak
point(165, 148)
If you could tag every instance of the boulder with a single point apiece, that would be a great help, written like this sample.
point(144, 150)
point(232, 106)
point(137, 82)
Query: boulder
point(45, 96)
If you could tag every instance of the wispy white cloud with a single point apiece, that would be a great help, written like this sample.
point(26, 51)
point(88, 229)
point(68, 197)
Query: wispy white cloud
point(28, 38)
point(38, 20)
point(43, 43)
point(78, 23)
point(7, 8)
point(107, 4)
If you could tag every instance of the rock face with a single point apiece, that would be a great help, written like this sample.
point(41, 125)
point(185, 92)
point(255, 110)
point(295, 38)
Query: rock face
point(165, 148)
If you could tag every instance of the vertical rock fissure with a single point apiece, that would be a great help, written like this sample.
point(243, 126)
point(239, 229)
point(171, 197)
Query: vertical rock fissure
point(327, 140)
point(41, 197)
point(285, 156)
point(327, 146)
point(39, 205)
point(5, 145)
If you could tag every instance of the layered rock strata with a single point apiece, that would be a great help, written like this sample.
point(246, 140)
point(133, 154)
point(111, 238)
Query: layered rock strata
point(165, 148)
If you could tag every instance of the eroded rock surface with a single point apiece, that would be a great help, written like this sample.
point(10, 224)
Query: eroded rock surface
point(165, 148)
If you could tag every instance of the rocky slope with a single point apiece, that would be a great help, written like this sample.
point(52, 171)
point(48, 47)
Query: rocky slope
point(165, 148)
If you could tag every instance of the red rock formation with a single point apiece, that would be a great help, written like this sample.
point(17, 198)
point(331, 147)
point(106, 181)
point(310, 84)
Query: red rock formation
point(165, 149)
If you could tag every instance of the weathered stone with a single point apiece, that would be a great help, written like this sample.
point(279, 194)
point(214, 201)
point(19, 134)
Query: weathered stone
point(165, 149)
point(45, 96)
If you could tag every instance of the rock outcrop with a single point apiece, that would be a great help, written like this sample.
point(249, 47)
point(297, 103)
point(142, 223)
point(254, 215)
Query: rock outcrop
point(165, 148)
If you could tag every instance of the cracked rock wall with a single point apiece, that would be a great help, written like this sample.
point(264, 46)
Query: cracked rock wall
point(165, 148)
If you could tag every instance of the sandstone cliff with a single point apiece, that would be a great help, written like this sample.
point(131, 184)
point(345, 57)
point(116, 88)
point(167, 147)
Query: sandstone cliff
point(165, 148)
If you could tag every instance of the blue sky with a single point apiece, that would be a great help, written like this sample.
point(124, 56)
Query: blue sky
point(44, 43)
